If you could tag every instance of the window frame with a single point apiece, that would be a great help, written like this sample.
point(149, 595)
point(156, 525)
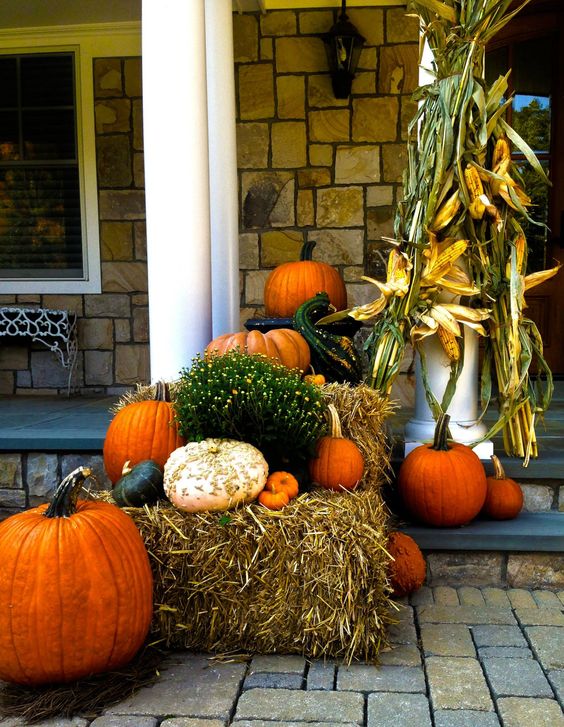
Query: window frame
point(86, 42)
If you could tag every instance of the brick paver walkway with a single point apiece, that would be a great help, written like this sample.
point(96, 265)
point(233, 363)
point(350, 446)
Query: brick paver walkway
point(465, 657)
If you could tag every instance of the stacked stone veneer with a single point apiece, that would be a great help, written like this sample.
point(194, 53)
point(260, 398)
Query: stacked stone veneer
point(312, 167)
point(112, 327)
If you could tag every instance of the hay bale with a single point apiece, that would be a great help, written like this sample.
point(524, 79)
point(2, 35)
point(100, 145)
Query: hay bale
point(310, 579)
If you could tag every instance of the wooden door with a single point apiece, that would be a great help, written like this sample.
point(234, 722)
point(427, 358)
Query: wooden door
point(532, 45)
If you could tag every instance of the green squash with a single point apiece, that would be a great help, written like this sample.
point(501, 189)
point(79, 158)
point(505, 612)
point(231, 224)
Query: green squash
point(140, 485)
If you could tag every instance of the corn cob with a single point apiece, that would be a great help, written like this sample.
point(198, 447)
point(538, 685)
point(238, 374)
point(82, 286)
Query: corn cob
point(473, 182)
point(444, 262)
point(501, 152)
point(449, 343)
point(446, 212)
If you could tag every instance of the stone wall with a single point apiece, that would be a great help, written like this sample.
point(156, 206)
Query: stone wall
point(313, 167)
point(112, 327)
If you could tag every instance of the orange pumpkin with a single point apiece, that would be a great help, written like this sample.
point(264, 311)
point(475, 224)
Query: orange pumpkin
point(408, 569)
point(76, 591)
point(291, 284)
point(281, 344)
point(315, 379)
point(139, 431)
point(442, 484)
point(504, 498)
point(273, 500)
point(282, 482)
point(339, 463)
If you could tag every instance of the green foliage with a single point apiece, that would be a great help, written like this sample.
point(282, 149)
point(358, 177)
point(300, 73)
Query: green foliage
point(252, 399)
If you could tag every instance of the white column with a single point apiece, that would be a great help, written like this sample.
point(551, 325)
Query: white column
point(223, 166)
point(176, 182)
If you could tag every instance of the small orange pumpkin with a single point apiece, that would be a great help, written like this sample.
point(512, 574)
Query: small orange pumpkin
point(280, 344)
point(282, 482)
point(504, 499)
point(273, 500)
point(442, 484)
point(291, 284)
point(139, 431)
point(315, 379)
point(339, 463)
point(408, 569)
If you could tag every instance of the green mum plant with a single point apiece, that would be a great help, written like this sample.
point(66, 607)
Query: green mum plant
point(253, 399)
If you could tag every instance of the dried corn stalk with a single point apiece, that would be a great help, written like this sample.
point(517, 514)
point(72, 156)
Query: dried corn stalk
point(457, 229)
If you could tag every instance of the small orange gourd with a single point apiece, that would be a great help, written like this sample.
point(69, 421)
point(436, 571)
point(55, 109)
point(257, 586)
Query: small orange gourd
point(280, 344)
point(282, 482)
point(273, 499)
point(408, 569)
point(315, 379)
point(442, 484)
point(339, 463)
point(504, 498)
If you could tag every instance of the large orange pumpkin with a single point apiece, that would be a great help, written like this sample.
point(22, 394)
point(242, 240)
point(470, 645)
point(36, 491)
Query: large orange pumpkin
point(443, 484)
point(504, 499)
point(291, 284)
point(76, 589)
point(139, 431)
point(281, 344)
point(408, 569)
point(339, 463)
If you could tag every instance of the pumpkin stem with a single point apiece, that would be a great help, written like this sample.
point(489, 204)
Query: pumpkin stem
point(499, 472)
point(64, 500)
point(162, 391)
point(440, 443)
point(307, 250)
point(334, 422)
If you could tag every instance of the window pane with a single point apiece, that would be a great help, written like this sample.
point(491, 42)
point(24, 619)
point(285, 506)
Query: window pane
point(9, 136)
point(47, 80)
point(40, 230)
point(48, 134)
point(8, 83)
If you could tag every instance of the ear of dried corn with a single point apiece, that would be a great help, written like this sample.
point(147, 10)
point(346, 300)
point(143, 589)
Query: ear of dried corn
point(462, 201)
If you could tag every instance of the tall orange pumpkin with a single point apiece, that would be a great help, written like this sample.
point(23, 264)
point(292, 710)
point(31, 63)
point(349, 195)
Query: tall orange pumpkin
point(504, 499)
point(291, 284)
point(442, 484)
point(339, 463)
point(281, 344)
point(76, 589)
point(139, 431)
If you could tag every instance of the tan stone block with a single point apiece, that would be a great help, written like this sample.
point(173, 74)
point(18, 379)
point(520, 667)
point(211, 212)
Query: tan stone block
point(108, 79)
point(320, 92)
point(305, 209)
point(140, 299)
point(401, 27)
point(300, 55)
point(375, 119)
point(140, 325)
point(122, 204)
point(364, 84)
point(113, 115)
point(122, 328)
point(399, 70)
point(278, 22)
point(279, 247)
point(107, 306)
point(360, 294)
point(8, 299)
point(291, 97)
point(256, 91)
point(14, 358)
point(338, 247)
point(380, 222)
point(139, 170)
point(315, 22)
point(537, 498)
point(369, 23)
point(289, 145)
point(329, 125)
point(248, 250)
point(117, 240)
point(470, 569)
point(132, 72)
point(98, 368)
point(321, 155)
point(96, 333)
point(245, 38)
point(496, 597)
point(261, 194)
point(248, 313)
point(357, 164)
point(113, 161)
point(137, 117)
point(266, 49)
point(368, 60)
point(283, 213)
point(28, 299)
point(458, 683)
point(132, 364)
point(535, 570)
point(252, 145)
point(394, 162)
point(521, 598)
point(140, 239)
point(124, 277)
point(41, 477)
point(353, 273)
point(378, 195)
point(11, 471)
point(340, 207)
point(7, 382)
point(314, 177)
point(64, 302)
point(447, 640)
point(254, 286)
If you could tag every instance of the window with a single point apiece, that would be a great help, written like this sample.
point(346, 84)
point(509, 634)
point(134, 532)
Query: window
point(49, 230)
point(40, 215)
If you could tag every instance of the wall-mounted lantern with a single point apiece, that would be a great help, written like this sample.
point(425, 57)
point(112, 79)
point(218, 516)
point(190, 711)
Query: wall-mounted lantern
point(343, 44)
